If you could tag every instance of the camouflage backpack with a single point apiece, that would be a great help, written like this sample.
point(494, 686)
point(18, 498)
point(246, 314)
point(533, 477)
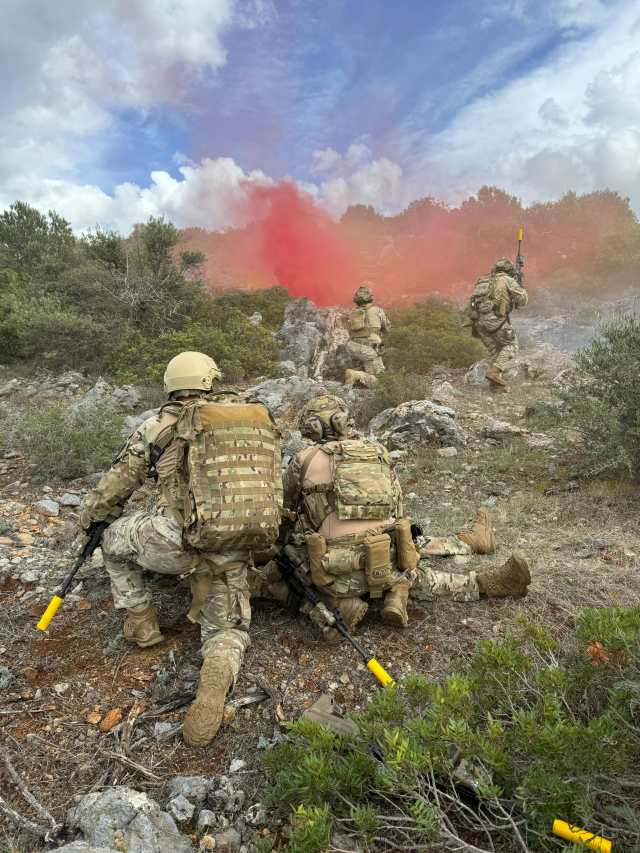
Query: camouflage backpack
point(227, 455)
point(359, 326)
point(361, 483)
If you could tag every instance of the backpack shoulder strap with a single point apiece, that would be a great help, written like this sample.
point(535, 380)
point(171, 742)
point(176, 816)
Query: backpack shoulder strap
point(305, 465)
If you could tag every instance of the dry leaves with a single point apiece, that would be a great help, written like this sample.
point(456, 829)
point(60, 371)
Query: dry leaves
point(597, 653)
point(94, 718)
point(112, 718)
point(84, 605)
point(228, 715)
point(303, 659)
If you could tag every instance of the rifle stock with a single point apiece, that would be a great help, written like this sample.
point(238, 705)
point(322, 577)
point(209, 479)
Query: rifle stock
point(297, 575)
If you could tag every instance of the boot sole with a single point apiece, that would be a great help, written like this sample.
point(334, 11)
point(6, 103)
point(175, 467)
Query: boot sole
point(203, 719)
point(394, 619)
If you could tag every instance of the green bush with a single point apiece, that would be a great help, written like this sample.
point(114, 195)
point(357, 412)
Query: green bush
point(602, 401)
point(429, 333)
point(65, 443)
point(270, 302)
point(237, 346)
point(548, 730)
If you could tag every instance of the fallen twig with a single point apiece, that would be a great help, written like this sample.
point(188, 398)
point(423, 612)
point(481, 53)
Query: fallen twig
point(268, 688)
point(46, 832)
point(132, 765)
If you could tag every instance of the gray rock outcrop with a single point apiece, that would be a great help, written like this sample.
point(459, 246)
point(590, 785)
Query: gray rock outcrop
point(302, 334)
point(417, 422)
point(279, 395)
point(132, 422)
point(125, 820)
point(122, 399)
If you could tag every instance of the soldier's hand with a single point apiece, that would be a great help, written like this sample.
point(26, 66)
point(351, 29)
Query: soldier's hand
point(81, 534)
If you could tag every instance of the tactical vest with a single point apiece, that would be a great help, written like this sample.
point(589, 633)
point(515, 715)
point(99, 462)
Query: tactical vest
point(485, 300)
point(360, 325)
point(218, 470)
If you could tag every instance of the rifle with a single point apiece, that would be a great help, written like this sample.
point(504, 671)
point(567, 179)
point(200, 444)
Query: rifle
point(297, 576)
point(95, 533)
point(519, 260)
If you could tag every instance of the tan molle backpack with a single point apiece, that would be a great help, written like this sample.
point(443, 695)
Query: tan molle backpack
point(359, 326)
point(229, 453)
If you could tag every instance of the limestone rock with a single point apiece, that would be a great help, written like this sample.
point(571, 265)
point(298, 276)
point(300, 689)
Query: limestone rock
point(228, 841)
point(302, 334)
point(69, 499)
point(562, 332)
point(498, 430)
point(9, 388)
point(102, 394)
point(280, 395)
point(181, 809)
point(206, 820)
point(83, 847)
point(48, 507)
point(193, 788)
point(256, 318)
point(125, 819)
point(417, 422)
point(443, 392)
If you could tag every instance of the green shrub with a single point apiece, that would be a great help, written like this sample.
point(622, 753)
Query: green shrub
point(270, 302)
point(237, 346)
point(65, 443)
point(548, 730)
point(429, 333)
point(602, 402)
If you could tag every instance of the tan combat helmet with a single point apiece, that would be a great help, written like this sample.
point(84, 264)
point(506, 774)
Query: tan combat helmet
point(504, 265)
point(190, 371)
point(325, 416)
point(364, 295)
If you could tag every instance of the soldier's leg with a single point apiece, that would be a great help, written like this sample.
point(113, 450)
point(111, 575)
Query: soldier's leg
point(225, 618)
point(507, 344)
point(428, 585)
point(142, 540)
point(445, 546)
point(364, 356)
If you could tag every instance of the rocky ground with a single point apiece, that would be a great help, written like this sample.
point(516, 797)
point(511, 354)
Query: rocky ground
point(92, 725)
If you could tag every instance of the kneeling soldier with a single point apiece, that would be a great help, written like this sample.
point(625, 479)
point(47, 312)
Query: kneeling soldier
point(217, 456)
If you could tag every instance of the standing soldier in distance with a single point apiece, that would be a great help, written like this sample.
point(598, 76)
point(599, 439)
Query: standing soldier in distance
point(367, 325)
point(217, 457)
point(494, 297)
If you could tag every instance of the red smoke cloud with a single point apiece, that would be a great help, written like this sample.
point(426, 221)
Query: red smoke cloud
point(299, 244)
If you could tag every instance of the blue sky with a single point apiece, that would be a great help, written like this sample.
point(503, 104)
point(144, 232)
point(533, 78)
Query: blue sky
point(117, 110)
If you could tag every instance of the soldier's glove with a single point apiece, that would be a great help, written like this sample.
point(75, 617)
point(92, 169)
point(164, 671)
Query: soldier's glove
point(82, 533)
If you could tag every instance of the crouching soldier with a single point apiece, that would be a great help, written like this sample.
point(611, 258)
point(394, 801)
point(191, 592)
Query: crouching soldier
point(367, 325)
point(350, 528)
point(217, 457)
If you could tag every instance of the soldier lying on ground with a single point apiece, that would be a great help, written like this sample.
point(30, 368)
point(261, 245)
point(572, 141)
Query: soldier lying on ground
point(211, 448)
point(349, 526)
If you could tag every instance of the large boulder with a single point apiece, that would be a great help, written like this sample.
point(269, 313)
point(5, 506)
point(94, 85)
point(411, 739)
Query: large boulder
point(302, 334)
point(281, 395)
point(417, 422)
point(124, 399)
point(126, 820)
point(132, 422)
point(542, 359)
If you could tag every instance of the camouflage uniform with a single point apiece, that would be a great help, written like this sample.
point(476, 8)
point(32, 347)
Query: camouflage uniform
point(426, 584)
point(152, 540)
point(494, 329)
point(365, 350)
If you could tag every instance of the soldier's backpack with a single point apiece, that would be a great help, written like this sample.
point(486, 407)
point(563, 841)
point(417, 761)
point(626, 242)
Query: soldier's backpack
point(229, 456)
point(359, 326)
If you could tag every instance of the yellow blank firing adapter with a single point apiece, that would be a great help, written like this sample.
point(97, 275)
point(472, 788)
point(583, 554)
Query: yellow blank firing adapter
point(581, 836)
point(49, 613)
point(383, 677)
point(520, 235)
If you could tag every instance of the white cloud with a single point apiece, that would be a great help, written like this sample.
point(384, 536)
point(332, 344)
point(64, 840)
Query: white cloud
point(573, 124)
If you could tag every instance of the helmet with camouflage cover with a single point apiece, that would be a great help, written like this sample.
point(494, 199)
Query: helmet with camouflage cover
point(190, 371)
point(504, 265)
point(364, 295)
point(325, 416)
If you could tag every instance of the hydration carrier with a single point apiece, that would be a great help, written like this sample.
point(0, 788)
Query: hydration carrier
point(228, 457)
point(359, 326)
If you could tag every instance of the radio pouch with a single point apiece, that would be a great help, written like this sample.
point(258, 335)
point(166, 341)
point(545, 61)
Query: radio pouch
point(406, 552)
point(377, 563)
point(317, 548)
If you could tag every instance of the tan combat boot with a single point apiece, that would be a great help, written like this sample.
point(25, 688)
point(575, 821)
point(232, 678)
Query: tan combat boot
point(480, 537)
point(512, 579)
point(202, 720)
point(349, 378)
point(352, 611)
point(141, 626)
point(394, 609)
point(494, 375)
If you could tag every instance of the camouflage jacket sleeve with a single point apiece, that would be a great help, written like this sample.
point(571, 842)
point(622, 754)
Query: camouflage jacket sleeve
point(397, 493)
point(519, 295)
point(291, 483)
point(126, 475)
point(385, 325)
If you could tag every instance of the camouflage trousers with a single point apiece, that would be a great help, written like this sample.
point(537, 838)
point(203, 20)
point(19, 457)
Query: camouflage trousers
point(428, 585)
point(370, 361)
point(502, 344)
point(151, 541)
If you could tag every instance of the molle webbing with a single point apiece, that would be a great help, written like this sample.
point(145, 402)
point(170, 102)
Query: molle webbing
point(232, 478)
